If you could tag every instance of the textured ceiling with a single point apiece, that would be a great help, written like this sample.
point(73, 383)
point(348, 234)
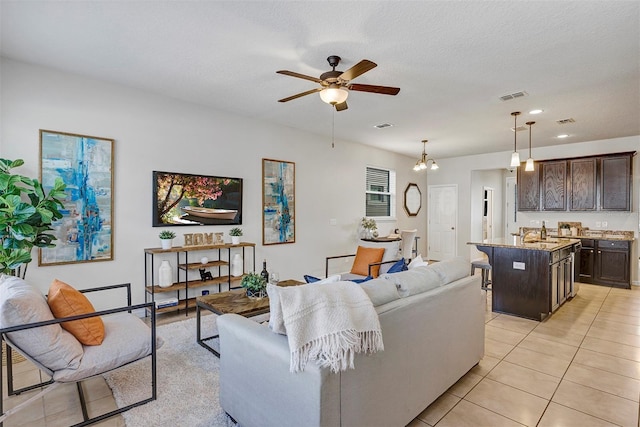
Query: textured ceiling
point(451, 59)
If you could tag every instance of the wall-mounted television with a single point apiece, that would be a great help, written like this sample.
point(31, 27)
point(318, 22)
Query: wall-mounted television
point(186, 199)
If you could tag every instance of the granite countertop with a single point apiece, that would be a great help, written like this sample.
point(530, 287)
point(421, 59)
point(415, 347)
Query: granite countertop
point(549, 245)
point(585, 233)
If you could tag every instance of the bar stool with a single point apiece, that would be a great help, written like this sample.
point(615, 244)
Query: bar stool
point(485, 268)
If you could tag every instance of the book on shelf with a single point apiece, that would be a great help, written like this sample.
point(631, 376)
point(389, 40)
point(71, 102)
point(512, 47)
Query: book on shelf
point(171, 302)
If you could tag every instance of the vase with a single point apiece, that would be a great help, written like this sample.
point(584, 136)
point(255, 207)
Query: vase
point(236, 265)
point(165, 275)
point(166, 243)
point(256, 294)
point(235, 240)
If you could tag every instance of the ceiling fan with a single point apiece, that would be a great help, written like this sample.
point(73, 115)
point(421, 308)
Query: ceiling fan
point(335, 85)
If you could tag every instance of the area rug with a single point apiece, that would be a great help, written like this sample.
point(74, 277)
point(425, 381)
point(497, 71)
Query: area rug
point(187, 377)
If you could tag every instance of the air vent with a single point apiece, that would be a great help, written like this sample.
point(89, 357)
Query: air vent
point(565, 121)
point(514, 95)
point(383, 125)
point(518, 129)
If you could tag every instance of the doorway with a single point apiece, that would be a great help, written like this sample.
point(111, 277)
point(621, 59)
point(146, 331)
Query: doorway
point(443, 219)
point(487, 213)
point(511, 211)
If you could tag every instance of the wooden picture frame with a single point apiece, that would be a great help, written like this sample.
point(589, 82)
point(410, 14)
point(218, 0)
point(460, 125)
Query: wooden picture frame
point(278, 202)
point(85, 164)
point(412, 199)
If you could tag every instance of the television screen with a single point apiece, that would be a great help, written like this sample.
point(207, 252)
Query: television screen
point(186, 199)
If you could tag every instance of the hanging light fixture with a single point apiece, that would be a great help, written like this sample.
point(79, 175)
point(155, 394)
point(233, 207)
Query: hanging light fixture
point(515, 157)
point(423, 161)
point(529, 166)
point(334, 94)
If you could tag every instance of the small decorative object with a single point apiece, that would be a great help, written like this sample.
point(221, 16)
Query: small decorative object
point(565, 230)
point(369, 227)
point(166, 238)
point(165, 274)
point(574, 231)
point(204, 260)
point(218, 239)
point(205, 292)
point(235, 234)
point(274, 278)
point(236, 265)
point(264, 273)
point(255, 286)
point(205, 275)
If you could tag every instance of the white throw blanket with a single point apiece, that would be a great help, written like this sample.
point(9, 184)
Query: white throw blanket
point(329, 323)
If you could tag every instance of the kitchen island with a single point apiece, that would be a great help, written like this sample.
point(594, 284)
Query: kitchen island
point(530, 279)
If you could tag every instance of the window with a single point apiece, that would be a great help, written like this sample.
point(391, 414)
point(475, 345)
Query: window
point(380, 193)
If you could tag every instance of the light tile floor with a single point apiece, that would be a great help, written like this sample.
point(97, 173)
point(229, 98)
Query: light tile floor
point(579, 367)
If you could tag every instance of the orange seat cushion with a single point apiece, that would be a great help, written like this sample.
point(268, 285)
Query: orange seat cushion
point(364, 257)
point(65, 301)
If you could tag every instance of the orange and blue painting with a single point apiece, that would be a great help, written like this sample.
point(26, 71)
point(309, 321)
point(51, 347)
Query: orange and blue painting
point(85, 165)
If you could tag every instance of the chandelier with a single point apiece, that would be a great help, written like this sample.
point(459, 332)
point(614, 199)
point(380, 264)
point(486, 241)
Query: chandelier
point(423, 161)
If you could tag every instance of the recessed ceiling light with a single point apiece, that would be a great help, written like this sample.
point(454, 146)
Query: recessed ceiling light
point(535, 111)
point(564, 135)
point(383, 125)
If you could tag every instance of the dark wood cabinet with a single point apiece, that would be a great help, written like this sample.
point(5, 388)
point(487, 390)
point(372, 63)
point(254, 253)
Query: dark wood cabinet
point(613, 263)
point(615, 183)
point(594, 183)
point(554, 185)
point(529, 189)
point(582, 184)
point(587, 257)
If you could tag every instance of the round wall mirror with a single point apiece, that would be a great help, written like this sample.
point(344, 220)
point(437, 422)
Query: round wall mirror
point(412, 199)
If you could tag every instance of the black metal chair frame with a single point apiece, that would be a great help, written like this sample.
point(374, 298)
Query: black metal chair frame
point(11, 391)
point(373, 264)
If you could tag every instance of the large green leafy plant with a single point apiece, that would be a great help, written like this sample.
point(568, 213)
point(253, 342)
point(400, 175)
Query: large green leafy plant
point(26, 214)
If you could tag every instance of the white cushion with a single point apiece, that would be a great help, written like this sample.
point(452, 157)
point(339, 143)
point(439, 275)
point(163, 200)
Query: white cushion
point(126, 339)
point(380, 291)
point(330, 279)
point(414, 281)
point(417, 262)
point(50, 346)
point(452, 269)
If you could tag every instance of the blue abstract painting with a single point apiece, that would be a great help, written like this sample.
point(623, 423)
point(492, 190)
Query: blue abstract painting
point(85, 165)
point(278, 202)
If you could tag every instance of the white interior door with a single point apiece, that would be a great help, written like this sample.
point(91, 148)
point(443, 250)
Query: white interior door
point(443, 221)
point(510, 223)
point(487, 213)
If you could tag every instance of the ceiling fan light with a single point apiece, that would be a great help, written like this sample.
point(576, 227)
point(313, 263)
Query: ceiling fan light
point(515, 159)
point(529, 165)
point(334, 95)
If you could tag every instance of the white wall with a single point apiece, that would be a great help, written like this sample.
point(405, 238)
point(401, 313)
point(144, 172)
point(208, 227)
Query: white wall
point(153, 132)
point(460, 170)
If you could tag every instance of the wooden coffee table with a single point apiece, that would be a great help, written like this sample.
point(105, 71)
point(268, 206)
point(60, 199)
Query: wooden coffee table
point(234, 301)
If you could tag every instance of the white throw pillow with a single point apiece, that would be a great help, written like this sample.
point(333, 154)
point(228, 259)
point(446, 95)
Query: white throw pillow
point(330, 279)
point(417, 262)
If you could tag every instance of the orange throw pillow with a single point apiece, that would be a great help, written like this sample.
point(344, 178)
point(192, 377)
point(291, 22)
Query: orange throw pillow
point(364, 257)
point(65, 301)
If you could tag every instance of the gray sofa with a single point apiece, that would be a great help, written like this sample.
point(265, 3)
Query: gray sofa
point(432, 321)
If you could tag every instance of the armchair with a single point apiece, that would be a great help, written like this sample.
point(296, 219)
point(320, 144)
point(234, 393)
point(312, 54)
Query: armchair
point(388, 258)
point(29, 328)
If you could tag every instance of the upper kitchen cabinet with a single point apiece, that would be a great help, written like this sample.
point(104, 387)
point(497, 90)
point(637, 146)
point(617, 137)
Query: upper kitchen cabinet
point(615, 182)
point(582, 184)
point(529, 189)
point(554, 185)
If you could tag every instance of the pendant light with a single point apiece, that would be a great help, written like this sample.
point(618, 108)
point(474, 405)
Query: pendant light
point(515, 157)
point(529, 166)
point(422, 162)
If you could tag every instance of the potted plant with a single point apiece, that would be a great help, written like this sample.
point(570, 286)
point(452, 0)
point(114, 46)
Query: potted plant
point(166, 238)
point(26, 216)
point(235, 234)
point(369, 227)
point(255, 285)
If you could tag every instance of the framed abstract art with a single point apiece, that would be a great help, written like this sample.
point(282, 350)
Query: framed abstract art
point(85, 164)
point(278, 202)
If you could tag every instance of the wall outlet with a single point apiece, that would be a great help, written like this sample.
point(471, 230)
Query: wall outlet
point(518, 265)
point(604, 224)
point(333, 221)
point(598, 224)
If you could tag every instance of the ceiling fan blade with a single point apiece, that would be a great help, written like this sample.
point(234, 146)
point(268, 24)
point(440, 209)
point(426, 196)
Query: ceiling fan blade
point(300, 76)
point(298, 95)
point(385, 90)
point(342, 106)
point(358, 69)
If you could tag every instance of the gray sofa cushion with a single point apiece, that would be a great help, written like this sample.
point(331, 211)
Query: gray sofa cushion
point(414, 281)
point(380, 291)
point(452, 269)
